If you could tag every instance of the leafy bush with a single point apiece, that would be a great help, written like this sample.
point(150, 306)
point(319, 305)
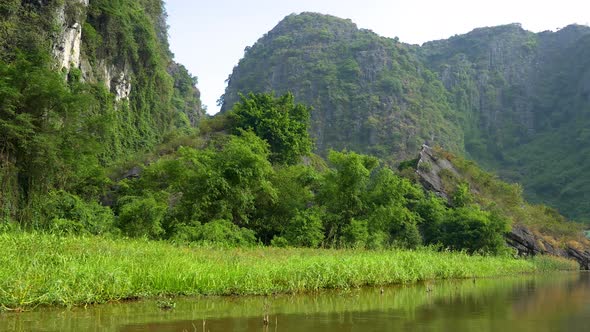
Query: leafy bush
point(217, 232)
point(64, 212)
point(279, 242)
point(278, 121)
point(355, 234)
point(474, 230)
point(224, 232)
point(305, 229)
point(142, 216)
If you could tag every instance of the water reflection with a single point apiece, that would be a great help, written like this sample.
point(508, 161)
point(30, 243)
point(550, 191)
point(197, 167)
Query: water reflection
point(557, 302)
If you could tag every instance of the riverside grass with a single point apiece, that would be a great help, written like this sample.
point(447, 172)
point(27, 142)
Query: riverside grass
point(44, 269)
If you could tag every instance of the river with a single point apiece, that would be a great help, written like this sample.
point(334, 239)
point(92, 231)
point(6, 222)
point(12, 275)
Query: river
point(552, 302)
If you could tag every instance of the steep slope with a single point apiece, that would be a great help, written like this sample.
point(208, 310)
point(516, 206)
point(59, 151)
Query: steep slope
point(525, 97)
point(369, 93)
point(515, 101)
point(83, 84)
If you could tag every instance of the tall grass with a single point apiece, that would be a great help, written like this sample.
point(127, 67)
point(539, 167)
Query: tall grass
point(41, 269)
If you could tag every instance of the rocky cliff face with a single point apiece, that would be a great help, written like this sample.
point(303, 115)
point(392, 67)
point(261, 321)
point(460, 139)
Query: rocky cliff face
point(87, 41)
point(369, 93)
point(429, 170)
point(525, 241)
point(66, 48)
point(489, 71)
point(523, 96)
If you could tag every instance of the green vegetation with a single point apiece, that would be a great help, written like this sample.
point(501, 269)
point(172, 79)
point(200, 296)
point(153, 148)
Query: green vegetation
point(71, 211)
point(229, 185)
point(514, 101)
point(61, 130)
point(524, 114)
point(39, 269)
point(278, 121)
point(506, 201)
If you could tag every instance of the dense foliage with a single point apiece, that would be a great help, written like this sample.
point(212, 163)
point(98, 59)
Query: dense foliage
point(61, 129)
point(278, 121)
point(235, 190)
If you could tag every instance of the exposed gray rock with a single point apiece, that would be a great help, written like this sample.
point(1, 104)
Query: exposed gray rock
point(66, 48)
point(529, 244)
point(429, 168)
point(133, 173)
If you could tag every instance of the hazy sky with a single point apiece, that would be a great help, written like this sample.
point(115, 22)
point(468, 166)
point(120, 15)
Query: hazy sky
point(209, 36)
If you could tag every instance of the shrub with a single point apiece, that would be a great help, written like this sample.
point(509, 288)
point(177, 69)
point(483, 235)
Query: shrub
point(279, 242)
point(142, 216)
point(356, 234)
point(305, 229)
point(64, 212)
point(224, 232)
point(425, 167)
point(474, 230)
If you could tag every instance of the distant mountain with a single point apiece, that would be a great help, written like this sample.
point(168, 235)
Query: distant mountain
point(515, 101)
point(525, 98)
point(369, 93)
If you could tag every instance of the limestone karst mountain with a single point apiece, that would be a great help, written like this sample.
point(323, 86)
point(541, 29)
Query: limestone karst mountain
point(515, 101)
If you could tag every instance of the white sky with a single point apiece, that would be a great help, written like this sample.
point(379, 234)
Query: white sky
point(209, 36)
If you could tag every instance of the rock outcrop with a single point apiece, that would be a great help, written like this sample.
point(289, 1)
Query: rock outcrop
point(66, 48)
point(429, 168)
point(67, 52)
point(528, 243)
point(521, 238)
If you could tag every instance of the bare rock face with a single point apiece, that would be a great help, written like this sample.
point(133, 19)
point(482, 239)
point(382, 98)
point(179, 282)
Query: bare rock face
point(429, 168)
point(66, 49)
point(520, 237)
point(529, 244)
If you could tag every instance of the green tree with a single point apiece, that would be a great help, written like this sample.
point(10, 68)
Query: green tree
point(224, 181)
point(343, 190)
point(294, 186)
point(142, 216)
point(432, 210)
point(305, 229)
point(462, 196)
point(279, 121)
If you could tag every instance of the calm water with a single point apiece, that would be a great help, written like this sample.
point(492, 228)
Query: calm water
point(556, 302)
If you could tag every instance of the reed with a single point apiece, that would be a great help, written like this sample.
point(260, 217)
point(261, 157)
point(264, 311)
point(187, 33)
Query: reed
point(44, 269)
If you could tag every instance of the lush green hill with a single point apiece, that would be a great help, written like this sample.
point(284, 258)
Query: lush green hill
point(369, 93)
point(515, 101)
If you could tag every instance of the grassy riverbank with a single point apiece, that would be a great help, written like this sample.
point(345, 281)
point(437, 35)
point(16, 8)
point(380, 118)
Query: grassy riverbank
point(39, 269)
